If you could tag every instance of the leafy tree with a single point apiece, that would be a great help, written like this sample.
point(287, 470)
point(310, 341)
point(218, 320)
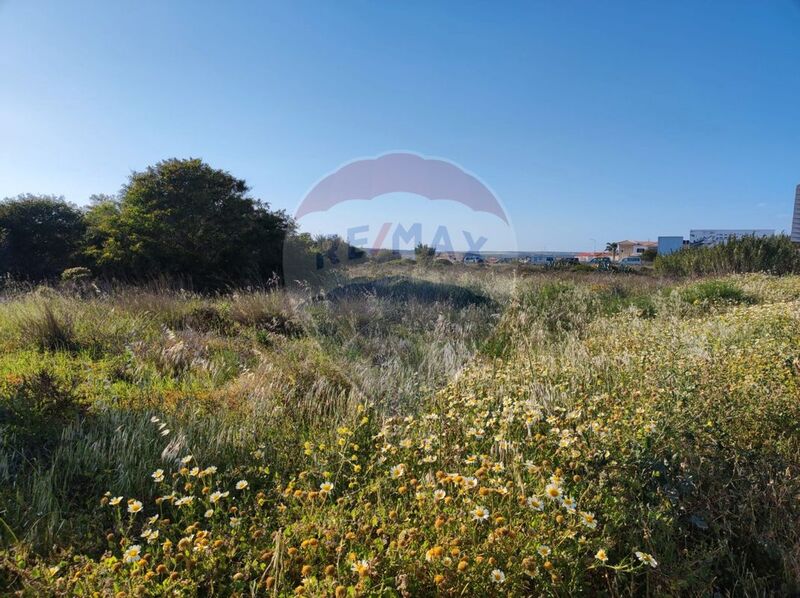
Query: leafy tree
point(649, 254)
point(185, 219)
point(612, 247)
point(40, 236)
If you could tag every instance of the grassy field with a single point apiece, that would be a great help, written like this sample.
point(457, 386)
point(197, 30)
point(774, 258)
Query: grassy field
point(407, 432)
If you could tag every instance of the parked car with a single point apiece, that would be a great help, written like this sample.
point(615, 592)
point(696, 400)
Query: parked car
point(632, 260)
point(472, 258)
point(600, 261)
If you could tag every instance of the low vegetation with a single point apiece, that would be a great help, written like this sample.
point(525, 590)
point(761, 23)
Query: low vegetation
point(776, 255)
point(407, 431)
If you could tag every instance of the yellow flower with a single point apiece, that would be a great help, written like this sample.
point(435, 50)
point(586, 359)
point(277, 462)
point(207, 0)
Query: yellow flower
point(158, 475)
point(480, 513)
point(601, 555)
point(216, 496)
point(646, 558)
point(439, 495)
point(397, 471)
point(241, 484)
point(131, 555)
point(588, 520)
point(115, 501)
point(569, 503)
point(535, 503)
point(186, 459)
point(326, 487)
point(552, 491)
point(543, 550)
point(361, 567)
point(208, 513)
point(498, 576)
point(134, 506)
point(434, 553)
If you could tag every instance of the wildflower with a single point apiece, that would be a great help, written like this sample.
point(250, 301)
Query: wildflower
point(235, 521)
point(134, 506)
point(439, 494)
point(165, 432)
point(498, 576)
point(361, 567)
point(208, 471)
point(154, 419)
point(552, 491)
point(194, 472)
point(434, 553)
point(470, 483)
point(184, 500)
point(326, 487)
point(588, 520)
point(601, 555)
point(208, 513)
point(535, 503)
point(217, 495)
point(153, 519)
point(397, 471)
point(543, 550)
point(185, 460)
point(115, 501)
point(150, 535)
point(242, 484)
point(131, 555)
point(646, 558)
point(568, 503)
point(53, 570)
point(480, 513)
point(158, 475)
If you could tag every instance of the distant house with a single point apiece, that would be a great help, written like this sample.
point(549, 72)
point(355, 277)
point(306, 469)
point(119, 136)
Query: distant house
point(630, 248)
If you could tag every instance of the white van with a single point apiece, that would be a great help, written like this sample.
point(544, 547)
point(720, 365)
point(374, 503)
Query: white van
point(631, 261)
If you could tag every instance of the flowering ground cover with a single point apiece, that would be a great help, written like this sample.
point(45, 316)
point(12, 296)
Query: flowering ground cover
point(551, 434)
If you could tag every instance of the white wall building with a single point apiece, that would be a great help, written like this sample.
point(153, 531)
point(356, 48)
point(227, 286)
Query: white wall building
point(713, 236)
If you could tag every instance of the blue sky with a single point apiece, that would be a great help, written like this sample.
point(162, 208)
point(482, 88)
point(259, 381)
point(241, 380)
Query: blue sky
point(588, 120)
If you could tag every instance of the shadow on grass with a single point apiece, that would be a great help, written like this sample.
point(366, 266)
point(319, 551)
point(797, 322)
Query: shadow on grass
point(397, 288)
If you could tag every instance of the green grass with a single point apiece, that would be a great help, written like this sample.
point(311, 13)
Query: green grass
point(667, 410)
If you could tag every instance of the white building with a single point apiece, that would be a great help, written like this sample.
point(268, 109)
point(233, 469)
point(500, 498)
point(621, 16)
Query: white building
point(713, 236)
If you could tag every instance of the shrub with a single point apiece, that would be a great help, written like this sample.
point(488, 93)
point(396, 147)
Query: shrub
point(774, 255)
point(33, 413)
point(50, 331)
point(714, 291)
point(78, 274)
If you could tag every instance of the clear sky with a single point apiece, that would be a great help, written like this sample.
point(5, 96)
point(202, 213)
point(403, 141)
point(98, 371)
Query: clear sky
point(592, 121)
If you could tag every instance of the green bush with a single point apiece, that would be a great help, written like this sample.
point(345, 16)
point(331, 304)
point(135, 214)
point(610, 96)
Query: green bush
point(714, 291)
point(50, 331)
point(773, 255)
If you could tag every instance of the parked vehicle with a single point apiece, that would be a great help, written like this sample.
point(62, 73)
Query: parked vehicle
point(600, 261)
point(631, 261)
point(472, 258)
